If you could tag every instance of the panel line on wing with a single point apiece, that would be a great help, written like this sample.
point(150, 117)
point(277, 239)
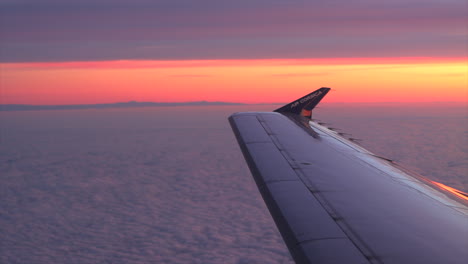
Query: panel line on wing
point(321, 239)
point(339, 220)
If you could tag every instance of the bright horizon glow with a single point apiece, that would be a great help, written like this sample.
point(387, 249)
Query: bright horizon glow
point(243, 81)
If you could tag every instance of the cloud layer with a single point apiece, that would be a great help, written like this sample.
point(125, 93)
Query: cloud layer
point(169, 185)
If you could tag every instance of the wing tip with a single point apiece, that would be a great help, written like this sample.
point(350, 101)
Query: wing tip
point(304, 105)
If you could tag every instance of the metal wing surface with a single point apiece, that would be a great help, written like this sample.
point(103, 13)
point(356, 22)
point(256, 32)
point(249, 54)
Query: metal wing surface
point(335, 202)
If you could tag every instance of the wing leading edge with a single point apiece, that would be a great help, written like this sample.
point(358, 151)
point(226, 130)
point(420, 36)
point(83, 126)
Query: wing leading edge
point(335, 202)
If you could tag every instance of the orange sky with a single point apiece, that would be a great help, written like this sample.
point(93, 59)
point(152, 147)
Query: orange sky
point(247, 81)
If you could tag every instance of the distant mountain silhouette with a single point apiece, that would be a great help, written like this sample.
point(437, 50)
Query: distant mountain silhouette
point(24, 107)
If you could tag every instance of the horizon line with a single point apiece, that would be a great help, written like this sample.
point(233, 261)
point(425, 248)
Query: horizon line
point(136, 104)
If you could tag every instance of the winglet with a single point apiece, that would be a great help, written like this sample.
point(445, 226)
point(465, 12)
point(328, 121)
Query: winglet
point(304, 105)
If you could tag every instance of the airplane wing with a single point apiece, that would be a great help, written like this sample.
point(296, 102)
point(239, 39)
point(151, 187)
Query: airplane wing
point(335, 202)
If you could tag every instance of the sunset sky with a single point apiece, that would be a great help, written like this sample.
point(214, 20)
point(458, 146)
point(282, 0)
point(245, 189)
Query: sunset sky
point(255, 51)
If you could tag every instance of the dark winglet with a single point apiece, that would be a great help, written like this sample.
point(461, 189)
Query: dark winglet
point(304, 105)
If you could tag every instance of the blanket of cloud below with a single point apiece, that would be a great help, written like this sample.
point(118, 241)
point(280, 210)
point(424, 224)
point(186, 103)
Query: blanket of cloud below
point(169, 184)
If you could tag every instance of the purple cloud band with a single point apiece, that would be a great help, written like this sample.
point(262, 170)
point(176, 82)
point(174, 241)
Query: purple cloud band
point(206, 29)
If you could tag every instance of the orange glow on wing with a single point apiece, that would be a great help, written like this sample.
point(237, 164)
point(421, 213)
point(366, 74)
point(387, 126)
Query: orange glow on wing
point(248, 81)
point(453, 191)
